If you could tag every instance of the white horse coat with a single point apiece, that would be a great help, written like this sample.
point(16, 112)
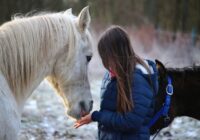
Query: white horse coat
point(53, 46)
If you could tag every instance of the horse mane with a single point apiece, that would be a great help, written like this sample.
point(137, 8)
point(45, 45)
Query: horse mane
point(192, 69)
point(28, 42)
point(185, 76)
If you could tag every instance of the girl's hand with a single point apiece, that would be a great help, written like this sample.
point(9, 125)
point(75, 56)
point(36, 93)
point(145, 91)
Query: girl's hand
point(84, 120)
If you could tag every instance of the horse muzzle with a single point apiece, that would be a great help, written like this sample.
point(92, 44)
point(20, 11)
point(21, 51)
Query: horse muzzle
point(85, 108)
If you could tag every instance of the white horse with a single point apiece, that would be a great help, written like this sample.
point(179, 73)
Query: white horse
point(55, 46)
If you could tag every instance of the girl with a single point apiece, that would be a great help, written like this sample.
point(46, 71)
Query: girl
point(128, 90)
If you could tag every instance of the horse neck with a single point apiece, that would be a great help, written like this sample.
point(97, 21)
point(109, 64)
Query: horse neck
point(186, 91)
point(30, 67)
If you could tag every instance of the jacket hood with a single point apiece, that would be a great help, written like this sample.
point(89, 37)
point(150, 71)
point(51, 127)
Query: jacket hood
point(151, 66)
point(141, 70)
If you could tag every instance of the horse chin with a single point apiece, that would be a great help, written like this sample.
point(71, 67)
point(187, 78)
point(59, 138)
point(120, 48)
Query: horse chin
point(75, 115)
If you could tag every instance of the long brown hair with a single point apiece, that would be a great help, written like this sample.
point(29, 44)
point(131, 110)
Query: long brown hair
point(118, 55)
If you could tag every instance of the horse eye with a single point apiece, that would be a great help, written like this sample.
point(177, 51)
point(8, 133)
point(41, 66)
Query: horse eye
point(88, 58)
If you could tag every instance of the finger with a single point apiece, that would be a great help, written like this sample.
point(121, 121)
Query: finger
point(80, 121)
point(75, 124)
point(78, 125)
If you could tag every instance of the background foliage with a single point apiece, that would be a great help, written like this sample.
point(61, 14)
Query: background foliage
point(173, 15)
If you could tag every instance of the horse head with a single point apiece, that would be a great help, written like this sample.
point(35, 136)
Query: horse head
point(69, 76)
point(160, 98)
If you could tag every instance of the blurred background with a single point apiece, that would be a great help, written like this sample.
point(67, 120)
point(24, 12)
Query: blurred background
point(171, 15)
point(150, 23)
point(167, 30)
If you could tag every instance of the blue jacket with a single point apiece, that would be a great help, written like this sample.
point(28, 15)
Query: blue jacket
point(131, 125)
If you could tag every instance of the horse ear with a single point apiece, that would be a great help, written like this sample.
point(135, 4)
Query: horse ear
point(68, 11)
point(160, 67)
point(84, 19)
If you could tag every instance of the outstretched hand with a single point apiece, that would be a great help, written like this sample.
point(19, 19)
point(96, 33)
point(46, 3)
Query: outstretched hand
point(84, 120)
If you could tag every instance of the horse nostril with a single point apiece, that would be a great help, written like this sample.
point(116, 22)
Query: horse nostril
point(85, 107)
point(91, 104)
point(82, 105)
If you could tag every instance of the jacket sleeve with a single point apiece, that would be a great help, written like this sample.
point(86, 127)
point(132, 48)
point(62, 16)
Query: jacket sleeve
point(129, 121)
